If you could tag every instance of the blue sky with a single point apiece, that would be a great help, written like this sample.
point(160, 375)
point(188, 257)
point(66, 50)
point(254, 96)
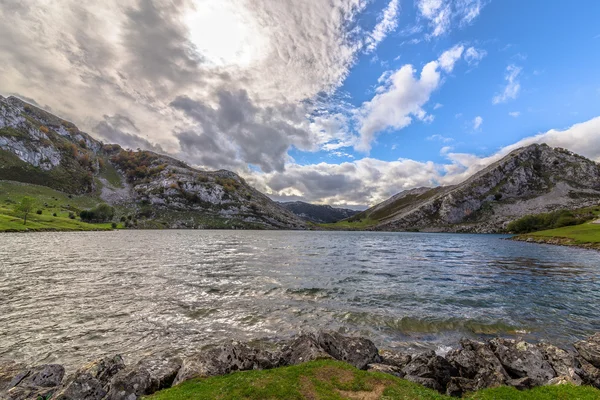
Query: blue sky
point(556, 46)
point(342, 102)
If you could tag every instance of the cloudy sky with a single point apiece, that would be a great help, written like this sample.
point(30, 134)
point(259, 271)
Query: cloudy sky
point(343, 102)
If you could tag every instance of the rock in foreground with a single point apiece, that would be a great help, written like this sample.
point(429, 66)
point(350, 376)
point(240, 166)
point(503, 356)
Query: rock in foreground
point(471, 367)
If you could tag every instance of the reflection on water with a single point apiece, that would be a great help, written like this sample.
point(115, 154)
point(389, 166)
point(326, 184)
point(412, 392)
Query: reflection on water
point(70, 297)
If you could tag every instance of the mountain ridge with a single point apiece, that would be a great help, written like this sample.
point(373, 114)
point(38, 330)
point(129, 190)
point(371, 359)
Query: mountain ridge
point(317, 213)
point(37, 147)
point(529, 180)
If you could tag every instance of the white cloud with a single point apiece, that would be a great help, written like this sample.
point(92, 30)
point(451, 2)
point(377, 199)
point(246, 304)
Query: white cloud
point(441, 14)
point(440, 138)
point(513, 86)
point(514, 114)
point(473, 55)
point(477, 121)
point(450, 57)
point(388, 23)
point(438, 105)
point(401, 97)
point(274, 59)
point(368, 181)
point(445, 150)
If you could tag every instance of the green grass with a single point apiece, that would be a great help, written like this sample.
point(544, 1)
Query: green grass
point(48, 200)
point(11, 221)
point(333, 380)
point(347, 225)
point(110, 173)
point(578, 234)
point(561, 392)
point(314, 380)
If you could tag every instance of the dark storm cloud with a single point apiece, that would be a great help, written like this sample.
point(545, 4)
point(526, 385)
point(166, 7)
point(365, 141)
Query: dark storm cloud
point(122, 130)
point(236, 126)
point(158, 44)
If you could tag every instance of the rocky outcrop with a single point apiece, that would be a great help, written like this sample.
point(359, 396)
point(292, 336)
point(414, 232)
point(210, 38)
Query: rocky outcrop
point(530, 180)
point(39, 148)
point(471, 367)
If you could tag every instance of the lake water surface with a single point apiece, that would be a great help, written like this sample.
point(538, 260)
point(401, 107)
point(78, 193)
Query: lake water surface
point(71, 297)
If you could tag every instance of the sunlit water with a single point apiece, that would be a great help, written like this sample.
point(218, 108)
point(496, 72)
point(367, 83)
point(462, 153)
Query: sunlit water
point(71, 297)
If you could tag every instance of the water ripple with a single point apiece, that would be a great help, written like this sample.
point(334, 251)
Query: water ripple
point(71, 297)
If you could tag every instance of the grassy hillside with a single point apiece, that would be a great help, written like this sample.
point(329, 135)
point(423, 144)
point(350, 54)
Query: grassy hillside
point(585, 235)
point(50, 202)
point(333, 380)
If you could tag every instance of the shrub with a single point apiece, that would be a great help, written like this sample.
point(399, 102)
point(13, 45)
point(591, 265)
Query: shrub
point(39, 212)
point(54, 215)
point(101, 213)
point(123, 219)
point(72, 215)
point(114, 225)
point(540, 222)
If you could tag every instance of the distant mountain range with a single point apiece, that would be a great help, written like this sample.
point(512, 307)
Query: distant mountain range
point(39, 148)
point(318, 213)
point(529, 180)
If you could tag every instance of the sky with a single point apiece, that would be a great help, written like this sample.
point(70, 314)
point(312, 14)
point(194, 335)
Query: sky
point(341, 102)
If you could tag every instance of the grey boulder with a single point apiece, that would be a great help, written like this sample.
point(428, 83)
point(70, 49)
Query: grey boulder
point(357, 351)
point(223, 360)
point(40, 381)
point(589, 349)
point(302, 349)
point(92, 381)
point(146, 377)
point(430, 370)
point(522, 359)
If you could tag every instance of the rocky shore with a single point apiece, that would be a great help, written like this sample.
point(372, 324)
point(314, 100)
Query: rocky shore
point(471, 367)
point(556, 241)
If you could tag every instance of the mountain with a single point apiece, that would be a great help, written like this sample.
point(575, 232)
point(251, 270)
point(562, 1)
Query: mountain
point(39, 148)
point(529, 180)
point(320, 214)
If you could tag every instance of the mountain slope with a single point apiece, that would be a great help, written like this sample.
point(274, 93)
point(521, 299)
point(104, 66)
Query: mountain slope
point(39, 148)
point(320, 214)
point(529, 180)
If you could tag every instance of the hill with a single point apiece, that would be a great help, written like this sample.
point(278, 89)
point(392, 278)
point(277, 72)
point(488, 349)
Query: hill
point(529, 180)
point(39, 148)
point(320, 214)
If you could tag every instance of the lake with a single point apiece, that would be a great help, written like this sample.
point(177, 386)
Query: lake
point(71, 297)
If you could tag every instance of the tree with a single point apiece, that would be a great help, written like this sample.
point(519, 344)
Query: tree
point(26, 205)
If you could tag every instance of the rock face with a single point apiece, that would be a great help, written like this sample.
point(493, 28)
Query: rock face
point(530, 180)
point(39, 148)
point(471, 367)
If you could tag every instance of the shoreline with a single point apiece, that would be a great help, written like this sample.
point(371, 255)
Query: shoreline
point(470, 367)
point(555, 241)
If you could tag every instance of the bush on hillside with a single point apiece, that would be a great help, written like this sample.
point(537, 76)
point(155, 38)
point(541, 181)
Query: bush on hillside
point(100, 213)
point(541, 222)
